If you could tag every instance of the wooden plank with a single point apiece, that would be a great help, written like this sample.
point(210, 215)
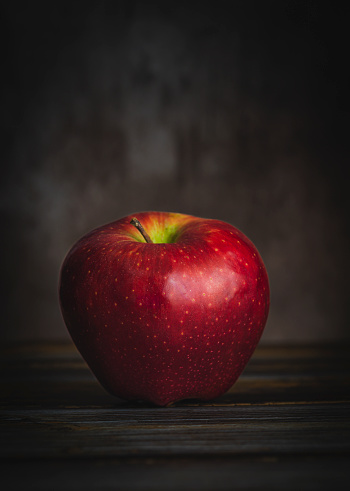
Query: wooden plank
point(212, 474)
point(284, 425)
point(159, 432)
point(55, 376)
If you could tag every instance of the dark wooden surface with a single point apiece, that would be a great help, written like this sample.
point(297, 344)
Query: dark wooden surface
point(284, 425)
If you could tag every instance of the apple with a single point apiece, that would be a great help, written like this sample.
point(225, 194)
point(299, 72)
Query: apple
point(165, 306)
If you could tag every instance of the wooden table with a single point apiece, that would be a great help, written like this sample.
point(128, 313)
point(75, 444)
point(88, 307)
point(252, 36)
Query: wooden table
point(283, 426)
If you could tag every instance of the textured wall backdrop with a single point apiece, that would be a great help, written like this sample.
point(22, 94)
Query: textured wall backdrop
point(232, 111)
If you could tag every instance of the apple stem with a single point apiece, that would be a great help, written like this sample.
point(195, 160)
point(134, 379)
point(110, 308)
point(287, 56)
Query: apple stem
point(134, 221)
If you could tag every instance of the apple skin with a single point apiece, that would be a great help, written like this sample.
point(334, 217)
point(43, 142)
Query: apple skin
point(162, 322)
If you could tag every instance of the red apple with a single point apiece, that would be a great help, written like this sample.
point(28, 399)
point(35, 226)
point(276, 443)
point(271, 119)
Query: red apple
point(168, 311)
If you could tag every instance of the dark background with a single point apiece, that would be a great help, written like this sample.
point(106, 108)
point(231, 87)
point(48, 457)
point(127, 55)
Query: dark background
point(228, 110)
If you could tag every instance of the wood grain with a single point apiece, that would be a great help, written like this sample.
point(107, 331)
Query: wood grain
point(284, 425)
